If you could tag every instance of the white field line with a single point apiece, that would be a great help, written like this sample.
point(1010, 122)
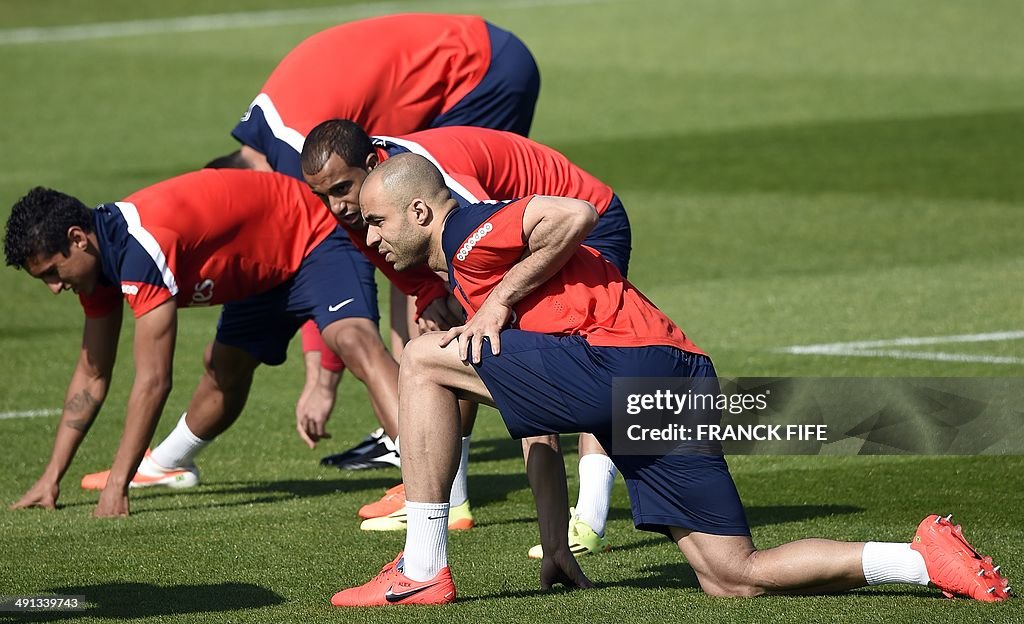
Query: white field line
point(247, 19)
point(35, 413)
point(871, 348)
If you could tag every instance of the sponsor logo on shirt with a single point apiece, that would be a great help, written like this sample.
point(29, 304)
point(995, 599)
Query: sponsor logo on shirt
point(473, 240)
point(202, 293)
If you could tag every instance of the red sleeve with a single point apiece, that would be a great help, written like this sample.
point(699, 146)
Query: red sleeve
point(313, 341)
point(419, 281)
point(102, 302)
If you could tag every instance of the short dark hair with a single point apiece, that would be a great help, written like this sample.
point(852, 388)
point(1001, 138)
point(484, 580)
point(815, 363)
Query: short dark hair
point(39, 223)
point(343, 137)
point(233, 160)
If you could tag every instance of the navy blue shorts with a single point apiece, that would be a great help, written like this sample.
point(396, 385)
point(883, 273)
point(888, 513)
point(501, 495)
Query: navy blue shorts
point(506, 96)
point(546, 384)
point(334, 281)
point(612, 236)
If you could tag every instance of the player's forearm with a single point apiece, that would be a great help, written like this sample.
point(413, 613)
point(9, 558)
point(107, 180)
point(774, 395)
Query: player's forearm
point(546, 471)
point(551, 243)
point(145, 404)
point(82, 403)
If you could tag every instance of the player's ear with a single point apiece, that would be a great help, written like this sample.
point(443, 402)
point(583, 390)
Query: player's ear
point(371, 161)
point(420, 211)
point(77, 237)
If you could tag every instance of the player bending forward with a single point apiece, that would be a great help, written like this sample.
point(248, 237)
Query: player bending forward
point(561, 323)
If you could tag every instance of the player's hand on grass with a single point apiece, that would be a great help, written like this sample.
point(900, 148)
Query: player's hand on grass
point(43, 494)
point(487, 324)
point(561, 568)
point(113, 504)
point(312, 414)
point(441, 314)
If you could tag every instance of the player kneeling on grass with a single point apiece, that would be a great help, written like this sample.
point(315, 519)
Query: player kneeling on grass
point(260, 243)
point(559, 324)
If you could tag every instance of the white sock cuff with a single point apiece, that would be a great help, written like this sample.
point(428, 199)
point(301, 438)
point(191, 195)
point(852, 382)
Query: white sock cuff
point(182, 429)
point(887, 562)
point(597, 462)
point(179, 448)
point(433, 507)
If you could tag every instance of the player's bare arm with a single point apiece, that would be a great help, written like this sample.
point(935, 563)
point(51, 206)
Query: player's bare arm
point(85, 395)
point(314, 410)
point(553, 228)
point(545, 469)
point(155, 333)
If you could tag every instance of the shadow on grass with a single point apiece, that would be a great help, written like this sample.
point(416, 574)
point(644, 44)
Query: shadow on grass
point(142, 600)
point(253, 492)
point(674, 576)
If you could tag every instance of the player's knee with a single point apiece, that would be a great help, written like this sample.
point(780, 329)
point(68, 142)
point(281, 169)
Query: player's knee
point(421, 352)
point(355, 341)
point(725, 589)
point(731, 579)
point(226, 373)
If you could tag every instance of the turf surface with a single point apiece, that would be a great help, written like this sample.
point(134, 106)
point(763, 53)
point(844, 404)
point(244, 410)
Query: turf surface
point(796, 173)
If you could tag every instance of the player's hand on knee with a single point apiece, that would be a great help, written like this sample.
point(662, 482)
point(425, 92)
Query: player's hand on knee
point(43, 494)
point(561, 568)
point(487, 324)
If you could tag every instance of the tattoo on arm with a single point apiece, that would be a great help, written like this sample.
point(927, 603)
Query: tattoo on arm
point(81, 402)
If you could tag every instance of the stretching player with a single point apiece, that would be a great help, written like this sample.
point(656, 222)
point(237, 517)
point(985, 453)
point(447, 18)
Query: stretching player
point(551, 324)
point(478, 164)
point(259, 243)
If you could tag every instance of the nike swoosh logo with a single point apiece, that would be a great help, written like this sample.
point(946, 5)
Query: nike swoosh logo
point(338, 306)
point(437, 517)
point(390, 596)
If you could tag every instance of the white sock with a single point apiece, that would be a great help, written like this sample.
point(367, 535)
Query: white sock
point(460, 488)
point(179, 448)
point(886, 562)
point(426, 540)
point(597, 475)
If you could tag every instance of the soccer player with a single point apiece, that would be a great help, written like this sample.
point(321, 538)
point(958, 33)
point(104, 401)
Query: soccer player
point(258, 243)
point(550, 325)
point(392, 74)
point(479, 164)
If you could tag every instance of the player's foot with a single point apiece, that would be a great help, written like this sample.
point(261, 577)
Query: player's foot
point(460, 518)
point(149, 474)
point(392, 501)
point(392, 587)
point(954, 566)
point(376, 451)
point(582, 539)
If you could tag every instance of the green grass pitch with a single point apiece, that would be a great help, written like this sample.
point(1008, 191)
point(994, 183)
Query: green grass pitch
point(797, 172)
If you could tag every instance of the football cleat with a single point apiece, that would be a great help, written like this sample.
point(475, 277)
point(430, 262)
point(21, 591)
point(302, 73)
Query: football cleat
point(392, 501)
point(392, 587)
point(149, 474)
point(460, 518)
point(954, 566)
point(376, 451)
point(582, 539)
